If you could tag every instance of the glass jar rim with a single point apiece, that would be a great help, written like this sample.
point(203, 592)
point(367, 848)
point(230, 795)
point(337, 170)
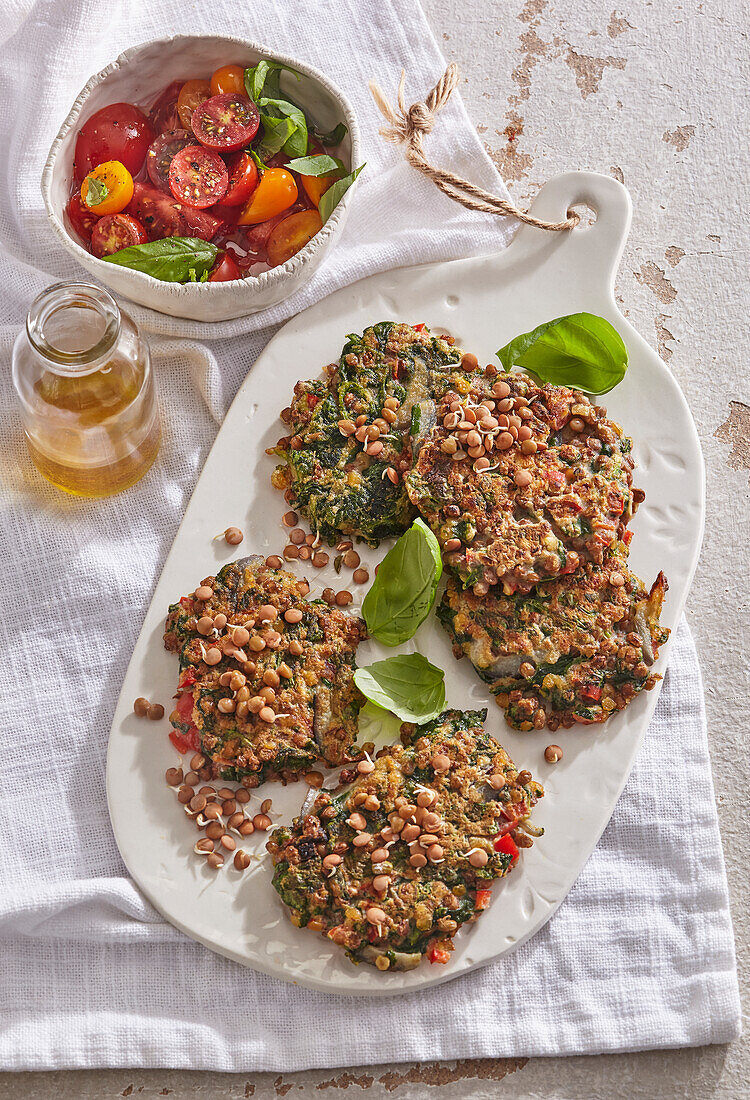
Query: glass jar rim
point(59, 296)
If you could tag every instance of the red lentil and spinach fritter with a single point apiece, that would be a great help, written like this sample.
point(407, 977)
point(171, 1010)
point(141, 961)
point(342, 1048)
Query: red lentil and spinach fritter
point(390, 868)
point(522, 483)
point(352, 435)
point(266, 676)
point(575, 649)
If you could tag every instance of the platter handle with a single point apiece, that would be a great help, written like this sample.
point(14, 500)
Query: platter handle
point(593, 248)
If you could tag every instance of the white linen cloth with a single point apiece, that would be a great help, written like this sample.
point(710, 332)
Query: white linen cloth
point(639, 955)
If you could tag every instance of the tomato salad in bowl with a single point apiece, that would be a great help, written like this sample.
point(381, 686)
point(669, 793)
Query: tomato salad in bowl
point(301, 113)
point(216, 179)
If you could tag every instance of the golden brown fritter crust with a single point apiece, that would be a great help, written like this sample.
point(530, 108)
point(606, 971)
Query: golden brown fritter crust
point(336, 475)
point(449, 783)
point(302, 670)
point(524, 517)
point(575, 649)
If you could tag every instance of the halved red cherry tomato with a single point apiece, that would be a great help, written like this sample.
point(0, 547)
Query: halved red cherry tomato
point(160, 153)
point(275, 193)
point(508, 846)
point(192, 94)
point(81, 218)
point(117, 132)
point(226, 122)
point(163, 115)
point(229, 78)
point(225, 269)
point(243, 179)
point(116, 231)
point(164, 216)
point(198, 176)
point(292, 234)
point(108, 189)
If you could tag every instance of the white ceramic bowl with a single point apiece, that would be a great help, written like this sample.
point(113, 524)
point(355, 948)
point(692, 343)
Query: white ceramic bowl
point(137, 76)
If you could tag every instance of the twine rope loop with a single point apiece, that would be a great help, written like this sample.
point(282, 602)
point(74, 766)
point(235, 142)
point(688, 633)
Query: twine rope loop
point(408, 125)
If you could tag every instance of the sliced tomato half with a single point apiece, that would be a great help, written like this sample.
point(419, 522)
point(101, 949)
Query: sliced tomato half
point(192, 94)
point(198, 176)
point(116, 231)
point(81, 218)
point(163, 115)
point(163, 216)
point(160, 154)
point(291, 235)
point(225, 269)
point(243, 179)
point(226, 122)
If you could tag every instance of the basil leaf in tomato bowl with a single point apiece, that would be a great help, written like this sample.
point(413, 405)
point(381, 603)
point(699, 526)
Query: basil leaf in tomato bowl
point(172, 260)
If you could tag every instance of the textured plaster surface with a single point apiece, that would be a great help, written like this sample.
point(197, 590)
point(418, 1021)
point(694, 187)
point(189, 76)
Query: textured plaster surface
point(655, 94)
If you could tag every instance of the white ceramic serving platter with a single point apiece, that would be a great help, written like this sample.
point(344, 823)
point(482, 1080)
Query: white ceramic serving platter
point(484, 302)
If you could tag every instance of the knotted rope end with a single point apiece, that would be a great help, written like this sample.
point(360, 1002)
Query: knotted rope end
point(407, 126)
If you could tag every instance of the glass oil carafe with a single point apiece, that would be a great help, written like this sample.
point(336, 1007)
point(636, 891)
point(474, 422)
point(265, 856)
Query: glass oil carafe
point(83, 375)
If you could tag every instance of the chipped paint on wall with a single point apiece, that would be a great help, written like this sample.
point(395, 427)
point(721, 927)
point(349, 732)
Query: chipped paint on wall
point(662, 336)
point(653, 276)
point(674, 254)
point(532, 48)
point(736, 431)
point(679, 138)
point(618, 24)
point(616, 171)
point(510, 161)
point(589, 71)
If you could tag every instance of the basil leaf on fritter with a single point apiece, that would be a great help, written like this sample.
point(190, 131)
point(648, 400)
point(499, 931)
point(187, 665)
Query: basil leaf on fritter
point(408, 685)
point(403, 591)
point(580, 350)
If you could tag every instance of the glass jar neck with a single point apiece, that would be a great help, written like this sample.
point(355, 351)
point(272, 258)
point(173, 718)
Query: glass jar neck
point(73, 327)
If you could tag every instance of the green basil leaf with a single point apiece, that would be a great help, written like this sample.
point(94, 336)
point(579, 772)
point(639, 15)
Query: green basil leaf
point(276, 133)
point(296, 143)
point(332, 197)
point(581, 350)
point(407, 685)
point(173, 260)
point(400, 597)
point(334, 136)
point(266, 77)
point(96, 191)
point(319, 165)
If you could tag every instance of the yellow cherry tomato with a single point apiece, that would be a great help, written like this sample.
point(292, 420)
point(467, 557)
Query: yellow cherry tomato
point(229, 78)
point(108, 189)
point(316, 186)
point(275, 193)
point(292, 234)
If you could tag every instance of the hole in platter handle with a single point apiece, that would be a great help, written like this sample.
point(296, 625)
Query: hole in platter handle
point(605, 210)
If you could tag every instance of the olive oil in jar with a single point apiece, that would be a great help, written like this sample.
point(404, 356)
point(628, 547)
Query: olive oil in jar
point(84, 379)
